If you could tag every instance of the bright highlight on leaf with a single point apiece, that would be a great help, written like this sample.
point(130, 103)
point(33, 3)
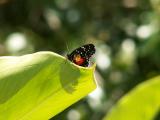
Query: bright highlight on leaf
point(142, 103)
point(40, 85)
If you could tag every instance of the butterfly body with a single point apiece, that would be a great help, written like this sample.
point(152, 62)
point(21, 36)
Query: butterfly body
point(81, 55)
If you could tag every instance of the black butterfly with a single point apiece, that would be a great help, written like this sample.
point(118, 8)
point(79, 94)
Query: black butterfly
point(81, 55)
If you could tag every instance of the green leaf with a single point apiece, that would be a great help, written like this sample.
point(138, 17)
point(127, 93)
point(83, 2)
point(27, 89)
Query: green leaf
point(40, 85)
point(142, 103)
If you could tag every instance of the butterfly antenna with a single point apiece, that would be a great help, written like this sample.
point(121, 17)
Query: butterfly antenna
point(67, 51)
point(67, 47)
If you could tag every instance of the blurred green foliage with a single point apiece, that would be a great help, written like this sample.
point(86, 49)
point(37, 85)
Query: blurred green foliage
point(126, 34)
point(137, 105)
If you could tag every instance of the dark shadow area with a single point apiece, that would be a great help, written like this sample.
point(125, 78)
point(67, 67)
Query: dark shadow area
point(69, 77)
point(157, 117)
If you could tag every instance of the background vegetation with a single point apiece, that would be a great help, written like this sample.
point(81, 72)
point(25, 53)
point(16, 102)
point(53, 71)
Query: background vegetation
point(125, 32)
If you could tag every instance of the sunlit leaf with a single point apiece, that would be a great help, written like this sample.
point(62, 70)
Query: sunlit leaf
point(39, 86)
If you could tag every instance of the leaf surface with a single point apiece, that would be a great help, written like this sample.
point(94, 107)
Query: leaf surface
point(40, 85)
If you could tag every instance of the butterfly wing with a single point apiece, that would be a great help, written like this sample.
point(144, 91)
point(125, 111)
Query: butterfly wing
point(85, 52)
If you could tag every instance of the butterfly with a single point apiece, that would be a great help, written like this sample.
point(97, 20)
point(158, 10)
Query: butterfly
point(81, 55)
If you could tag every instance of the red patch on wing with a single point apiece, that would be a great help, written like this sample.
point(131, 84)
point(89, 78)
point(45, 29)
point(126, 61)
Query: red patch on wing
point(78, 60)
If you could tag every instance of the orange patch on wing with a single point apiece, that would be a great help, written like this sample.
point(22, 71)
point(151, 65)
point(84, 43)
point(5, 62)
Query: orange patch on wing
point(78, 60)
